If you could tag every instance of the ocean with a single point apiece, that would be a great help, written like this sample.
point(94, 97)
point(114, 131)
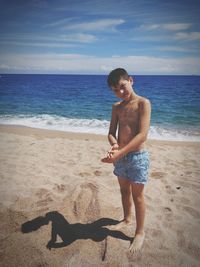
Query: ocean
point(83, 103)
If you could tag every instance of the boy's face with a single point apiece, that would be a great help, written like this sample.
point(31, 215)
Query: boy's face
point(123, 89)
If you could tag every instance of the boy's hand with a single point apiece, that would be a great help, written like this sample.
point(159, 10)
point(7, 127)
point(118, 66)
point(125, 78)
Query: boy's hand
point(114, 147)
point(110, 153)
point(112, 156)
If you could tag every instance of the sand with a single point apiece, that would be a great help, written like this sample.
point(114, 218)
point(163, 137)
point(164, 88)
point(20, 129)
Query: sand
point(53, 182)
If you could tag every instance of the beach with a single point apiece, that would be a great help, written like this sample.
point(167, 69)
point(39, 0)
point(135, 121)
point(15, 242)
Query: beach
point(54, 183)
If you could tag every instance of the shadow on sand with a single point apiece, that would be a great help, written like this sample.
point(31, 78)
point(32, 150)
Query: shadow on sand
point(69, 233)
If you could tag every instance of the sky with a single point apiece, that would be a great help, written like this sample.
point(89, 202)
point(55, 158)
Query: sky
point(147, 37)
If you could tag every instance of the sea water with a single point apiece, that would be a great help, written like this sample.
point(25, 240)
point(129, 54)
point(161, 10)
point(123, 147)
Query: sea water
point(83, 103)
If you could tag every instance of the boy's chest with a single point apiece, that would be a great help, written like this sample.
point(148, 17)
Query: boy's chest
point(129, 113)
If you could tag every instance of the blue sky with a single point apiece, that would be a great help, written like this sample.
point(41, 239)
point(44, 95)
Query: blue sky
point(93, 37)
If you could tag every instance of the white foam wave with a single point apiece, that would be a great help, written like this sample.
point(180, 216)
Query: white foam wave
point(95, 126)
point(53, 122)
point(169, 134)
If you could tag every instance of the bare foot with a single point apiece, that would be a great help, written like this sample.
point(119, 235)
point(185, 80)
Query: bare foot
point(119, 225)
point(137, 243)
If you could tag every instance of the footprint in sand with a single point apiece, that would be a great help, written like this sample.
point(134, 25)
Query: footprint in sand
point(44, 202)
point(42, 192)
point(87, 174)
point(21, 203)
point(44, 197)
point(170, 190)
point(85, 203)
point(60, 188)
point(157, 175)
point(97, 173)
point(84, 174)
point(154, 232)
point(168, 209)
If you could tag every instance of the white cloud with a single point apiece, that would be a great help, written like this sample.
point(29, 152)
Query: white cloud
point(192, 36)
point(174, 48)
point(50, 42)
point(177, 26)
point(98, 25)
point(149, 27)
point(80, 37)
point(151, 38)
point(105, 68)
point(76, 63)
point(38, 44)
point(60, 22)
point(167, 26)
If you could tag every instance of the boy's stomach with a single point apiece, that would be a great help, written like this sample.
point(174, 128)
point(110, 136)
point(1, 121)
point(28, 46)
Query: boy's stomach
point(126, 135)
point(137, 148)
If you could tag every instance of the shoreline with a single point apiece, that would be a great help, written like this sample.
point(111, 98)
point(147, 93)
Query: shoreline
point(37, 132)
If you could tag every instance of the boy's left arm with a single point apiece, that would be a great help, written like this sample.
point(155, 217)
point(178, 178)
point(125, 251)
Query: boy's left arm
point(145, 115)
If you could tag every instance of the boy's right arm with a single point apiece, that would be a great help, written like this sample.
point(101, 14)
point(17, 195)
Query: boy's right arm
point(113, 127)
point(112, 134)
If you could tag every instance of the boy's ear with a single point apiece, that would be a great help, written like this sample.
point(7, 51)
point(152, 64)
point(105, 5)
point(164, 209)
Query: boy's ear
point(131, 80)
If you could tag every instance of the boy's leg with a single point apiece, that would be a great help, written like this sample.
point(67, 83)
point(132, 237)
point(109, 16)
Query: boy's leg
point(127, 201)
point(138, 198)
point(126, 195)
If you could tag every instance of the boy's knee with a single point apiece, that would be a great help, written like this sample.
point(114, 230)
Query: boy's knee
point(125, 190)
point(138, 198)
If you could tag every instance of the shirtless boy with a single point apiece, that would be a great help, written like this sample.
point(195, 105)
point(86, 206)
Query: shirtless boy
point(131, 117)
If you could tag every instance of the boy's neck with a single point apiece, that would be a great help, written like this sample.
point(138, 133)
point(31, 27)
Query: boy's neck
point(132, 97)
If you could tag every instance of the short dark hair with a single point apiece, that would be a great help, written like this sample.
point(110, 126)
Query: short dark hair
point(115, 76)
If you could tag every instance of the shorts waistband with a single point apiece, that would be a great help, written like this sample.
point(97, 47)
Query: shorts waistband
point(142, 151)
point(139, 152)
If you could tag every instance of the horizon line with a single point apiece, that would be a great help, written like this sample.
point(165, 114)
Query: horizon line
point(1, 74)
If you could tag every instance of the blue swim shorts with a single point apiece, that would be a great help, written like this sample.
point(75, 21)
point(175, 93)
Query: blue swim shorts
point(133, 166)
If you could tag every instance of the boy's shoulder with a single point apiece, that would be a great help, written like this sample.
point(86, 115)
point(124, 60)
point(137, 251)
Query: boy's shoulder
point(143, 101)
point(117, 104)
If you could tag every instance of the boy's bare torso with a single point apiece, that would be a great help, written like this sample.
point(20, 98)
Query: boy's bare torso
point(128, 115)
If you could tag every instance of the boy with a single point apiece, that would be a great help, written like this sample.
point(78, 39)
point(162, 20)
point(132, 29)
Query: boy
point(131, 117)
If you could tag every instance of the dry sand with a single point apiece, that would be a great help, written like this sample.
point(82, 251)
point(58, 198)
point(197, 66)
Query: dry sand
point(54, 183)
